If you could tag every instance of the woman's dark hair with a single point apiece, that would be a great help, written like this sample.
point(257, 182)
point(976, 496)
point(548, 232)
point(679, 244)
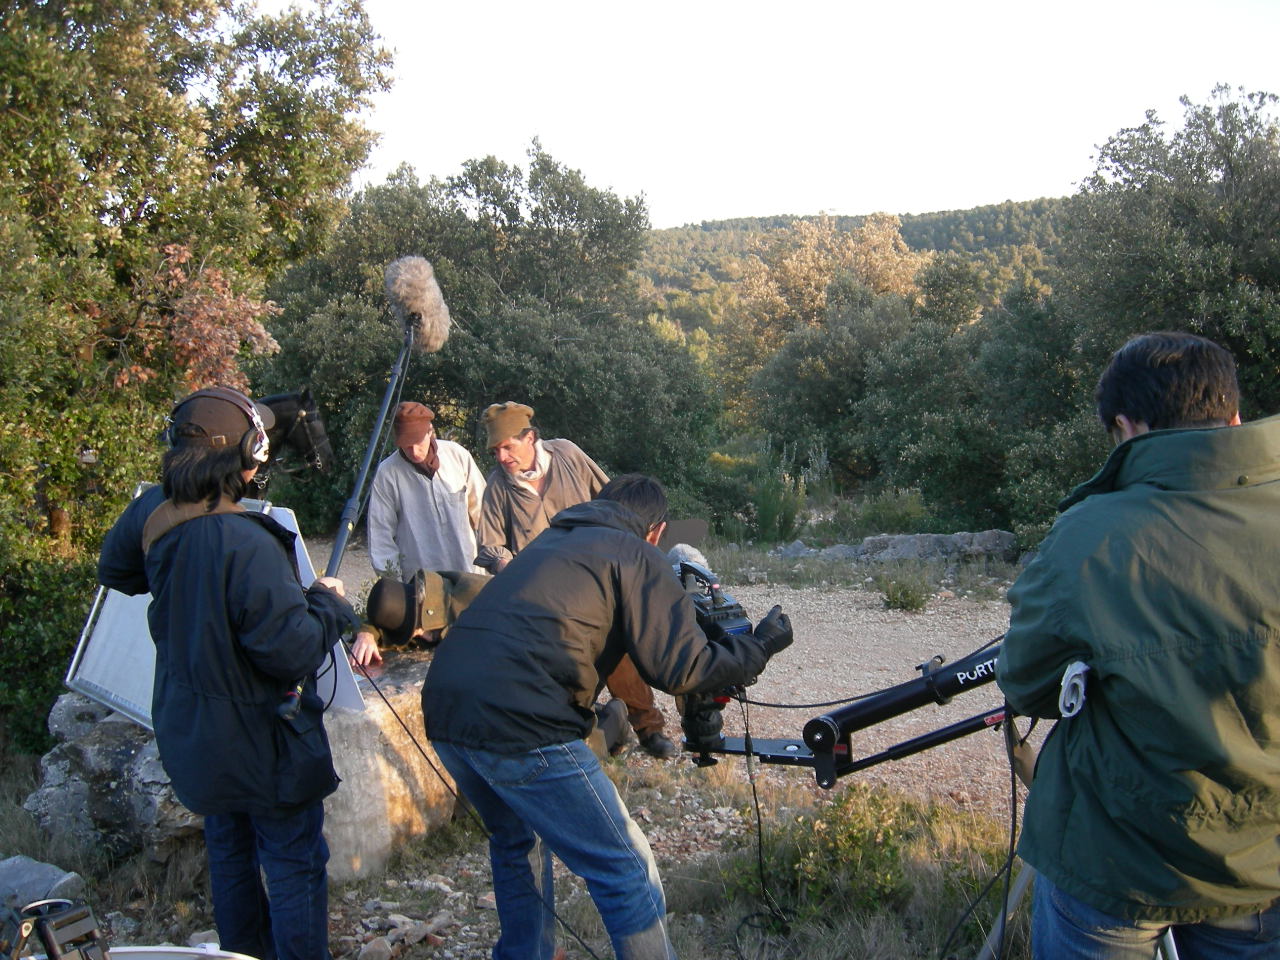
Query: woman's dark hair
point(640, 494)
point(1169, 380)
point(193, 472)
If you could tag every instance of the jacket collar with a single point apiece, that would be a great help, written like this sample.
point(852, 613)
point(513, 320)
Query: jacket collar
point(600, 513)
point(1197, 459)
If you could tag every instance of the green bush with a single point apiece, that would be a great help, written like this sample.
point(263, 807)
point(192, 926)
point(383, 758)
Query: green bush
point(904, 588)
point(43, 605)
point(754, 493)
point(874, 874)
point(895, 511)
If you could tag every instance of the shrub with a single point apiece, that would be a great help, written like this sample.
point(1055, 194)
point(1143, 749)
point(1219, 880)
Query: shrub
point(43, 605)
point(895, 511)
point(754, 492)
point(904, 588)
point(875, 873)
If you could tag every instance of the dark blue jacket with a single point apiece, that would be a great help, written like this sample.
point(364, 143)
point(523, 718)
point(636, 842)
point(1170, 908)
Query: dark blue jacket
point(233, 630)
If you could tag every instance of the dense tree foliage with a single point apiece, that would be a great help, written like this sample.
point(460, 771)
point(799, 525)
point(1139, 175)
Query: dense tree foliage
point(809, 393)
point(1181, 230)
point(157, 163)
point(989, 228)
point(536, 268)
point(784, 294)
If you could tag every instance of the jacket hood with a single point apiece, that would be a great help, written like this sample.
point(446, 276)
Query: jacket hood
point(600, 513)
point(1194, 459)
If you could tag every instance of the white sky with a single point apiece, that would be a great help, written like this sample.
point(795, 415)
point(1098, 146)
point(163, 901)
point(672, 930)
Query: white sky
point(714, 109)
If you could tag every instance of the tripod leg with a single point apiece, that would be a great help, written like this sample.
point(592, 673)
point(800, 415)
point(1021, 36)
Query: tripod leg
point(1016, 893)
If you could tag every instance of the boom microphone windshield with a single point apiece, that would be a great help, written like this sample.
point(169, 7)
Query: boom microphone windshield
point(415, 298)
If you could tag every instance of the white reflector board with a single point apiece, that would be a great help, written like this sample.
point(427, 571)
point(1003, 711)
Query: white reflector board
point(115, 660)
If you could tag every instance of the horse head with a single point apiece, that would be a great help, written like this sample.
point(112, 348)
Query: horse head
point(298, 428)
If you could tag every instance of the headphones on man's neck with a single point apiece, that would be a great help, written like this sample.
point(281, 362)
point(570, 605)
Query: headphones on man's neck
point(253, 443)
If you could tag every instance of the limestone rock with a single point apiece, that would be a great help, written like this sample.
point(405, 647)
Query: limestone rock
point(23, 881)
point(73, 715)
point(107, 788)
point(390, 791)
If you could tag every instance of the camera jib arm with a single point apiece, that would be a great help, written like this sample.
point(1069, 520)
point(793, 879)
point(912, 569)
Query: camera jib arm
point(828, 739)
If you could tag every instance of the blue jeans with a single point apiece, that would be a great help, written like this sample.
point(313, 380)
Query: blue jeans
point(560, 795)
point(1064, 928)
point(292, 922)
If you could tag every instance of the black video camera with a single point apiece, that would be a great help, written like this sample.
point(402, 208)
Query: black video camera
point(702, 714)
point(717, 611)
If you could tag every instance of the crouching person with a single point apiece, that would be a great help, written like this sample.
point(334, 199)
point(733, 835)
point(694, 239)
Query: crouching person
point(418, 612)
point(508, 700)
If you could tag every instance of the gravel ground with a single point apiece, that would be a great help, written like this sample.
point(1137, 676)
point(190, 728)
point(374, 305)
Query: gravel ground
point(846, 644)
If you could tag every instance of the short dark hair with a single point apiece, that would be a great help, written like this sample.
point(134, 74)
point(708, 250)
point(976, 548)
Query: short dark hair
point(1169, 380)
point(193, 473)
point(640, 494)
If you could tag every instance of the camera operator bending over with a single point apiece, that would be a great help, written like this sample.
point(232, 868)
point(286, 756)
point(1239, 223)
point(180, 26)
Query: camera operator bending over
point(234, 632)
point(1157, 805)
point(508, 700)
point(535, 479)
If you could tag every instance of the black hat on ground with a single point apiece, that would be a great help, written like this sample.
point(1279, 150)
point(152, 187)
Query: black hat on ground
point(392, 608)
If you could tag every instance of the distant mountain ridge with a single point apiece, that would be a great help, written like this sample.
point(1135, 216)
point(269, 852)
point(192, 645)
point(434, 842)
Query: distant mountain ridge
point(695, 256)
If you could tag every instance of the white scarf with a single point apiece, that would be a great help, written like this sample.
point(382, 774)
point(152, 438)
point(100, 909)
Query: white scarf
point(541, 461)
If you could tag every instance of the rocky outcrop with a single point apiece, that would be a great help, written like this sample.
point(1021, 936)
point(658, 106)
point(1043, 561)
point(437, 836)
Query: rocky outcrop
point(104, 785)
point(998, 545)
point(393, 785)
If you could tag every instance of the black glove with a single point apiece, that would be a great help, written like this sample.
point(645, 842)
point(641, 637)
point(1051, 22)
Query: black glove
point(774, 631)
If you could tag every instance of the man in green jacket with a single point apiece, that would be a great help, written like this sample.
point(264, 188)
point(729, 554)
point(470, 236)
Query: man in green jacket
point(1157, 804)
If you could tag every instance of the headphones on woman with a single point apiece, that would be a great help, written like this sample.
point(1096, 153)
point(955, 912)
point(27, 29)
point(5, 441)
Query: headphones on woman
point(218, 427)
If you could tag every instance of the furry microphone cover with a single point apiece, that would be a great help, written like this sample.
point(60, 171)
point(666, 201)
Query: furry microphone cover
point(413, 292)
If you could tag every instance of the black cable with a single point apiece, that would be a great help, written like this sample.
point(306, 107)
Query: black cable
point(973, 904)
point(466, 806)
point(332, 665)
point(853, 699)
point(809, 706)
point(774, 915)
point(1006, 868)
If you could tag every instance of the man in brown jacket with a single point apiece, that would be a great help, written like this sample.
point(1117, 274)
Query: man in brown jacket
point(535, 479)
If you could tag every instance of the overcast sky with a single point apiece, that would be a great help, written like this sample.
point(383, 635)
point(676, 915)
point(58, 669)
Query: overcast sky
point(716, 109)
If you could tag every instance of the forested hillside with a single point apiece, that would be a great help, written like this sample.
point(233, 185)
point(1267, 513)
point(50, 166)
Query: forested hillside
point(683, 258)
point(954, 353)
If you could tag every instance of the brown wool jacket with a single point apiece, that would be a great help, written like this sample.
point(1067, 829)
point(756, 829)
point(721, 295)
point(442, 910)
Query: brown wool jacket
point(512, 514)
